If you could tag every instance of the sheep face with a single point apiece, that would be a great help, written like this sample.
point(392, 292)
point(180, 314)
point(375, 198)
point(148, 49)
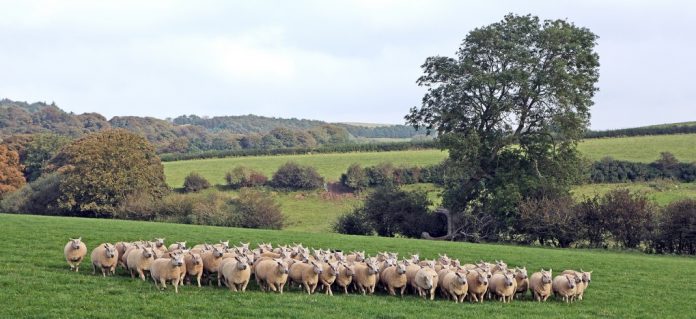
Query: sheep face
point(401, 268)
point(586, 276)
point(225, 244)
point(546, 276)
point(521, 272)
point(181, 245)
point(333, 269)
point(372, 268)
point(350, 270)
point(177, 260)
point(196, 259)
point(75, 243)
point(455, 263)
point(501, 264)
point(218, 252)
point(571, 281)
point(316, 268)
point(461, 278)
point(282, 267)
point(508, 279)
point(415, 258)
point(339, 256)
point(109, 250)
point(148, 253)
point(430, 263)
point(444, 260)
point(242, 262)
point(159, 242)
point(482, 278)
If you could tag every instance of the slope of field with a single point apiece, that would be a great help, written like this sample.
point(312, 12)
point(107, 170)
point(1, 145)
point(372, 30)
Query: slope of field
point(644, 149)
point(329, 165)
point(660, 192)
point(36, 281)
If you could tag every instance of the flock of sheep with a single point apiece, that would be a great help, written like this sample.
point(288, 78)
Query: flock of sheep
point(272, 268)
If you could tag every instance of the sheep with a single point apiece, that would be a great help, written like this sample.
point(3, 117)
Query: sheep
point(565, 286)
point(139, 260)
point(455, 285)
point(328, 276)
point(168, 269)
point(306, 274)
point(177, 245)
point(425, 282)
point(121, 247)
point(478, 285)
point(237, 274)
point(394, 277)
point(441, 278)
point(503, 285)
point(211, 263)
point(540, 284)
point(271, 274)
point(158, 247)
point(123, 257)
point(222, 245)
point(499, 267)
point(75, 251)
point(104, 257)
point(411, 270)
point(194, 266)
point(345, 276)
point(582, 279)
point(522, 280)
point(356, 256)
point(442, 261)
point(365, 276)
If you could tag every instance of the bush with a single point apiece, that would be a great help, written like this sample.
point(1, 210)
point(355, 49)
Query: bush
point(355, 178)
point(592, 222)
point(353, 223)
point(294, 176)
point(549, 220)
point(255, 209)
point(242, 176)
point(677, 228)
point(194, 182)
point(38, 197)
point(630, 218)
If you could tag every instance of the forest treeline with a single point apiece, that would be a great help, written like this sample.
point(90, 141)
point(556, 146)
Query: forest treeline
point(192, 134)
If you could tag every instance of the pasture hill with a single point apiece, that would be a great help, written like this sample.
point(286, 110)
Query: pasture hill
point(37, 281)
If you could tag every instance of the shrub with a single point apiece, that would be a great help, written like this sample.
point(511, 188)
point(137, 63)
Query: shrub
point(102, 169)
point(677, 228)
point(11, 177)
point(628, 217)
point(242, 176)
point(549, 219)
point(38, 197)
point(592, 223)
point(194, 182)
point(353, 223)
point(255, 209)
point(391, 211)
point(355, 178)
point(380, 175)
point(294, 176)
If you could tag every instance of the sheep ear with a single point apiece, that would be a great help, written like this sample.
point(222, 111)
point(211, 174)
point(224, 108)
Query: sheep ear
point(80, 239)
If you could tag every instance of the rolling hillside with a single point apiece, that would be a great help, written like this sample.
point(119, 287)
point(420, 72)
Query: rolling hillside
point(36, 280)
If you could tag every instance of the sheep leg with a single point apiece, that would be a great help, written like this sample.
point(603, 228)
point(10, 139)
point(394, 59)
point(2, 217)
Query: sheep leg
point(142, 274)
point(198, 278)
point(391, 290)
point(473, 297)
point(432, 294)
point(163, 282)
point(244, 285)
point(345, 289)
point(403, 288)
point(281, 288)
point(175, 282)
point(232, 286)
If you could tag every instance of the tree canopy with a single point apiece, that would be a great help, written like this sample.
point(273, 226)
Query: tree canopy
point(11, 177)
point(102, 169)
point(510, 108)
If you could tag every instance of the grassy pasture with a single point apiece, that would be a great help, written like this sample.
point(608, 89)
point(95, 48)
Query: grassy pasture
point(331, 166)
point(36, 281)
point(644, 149)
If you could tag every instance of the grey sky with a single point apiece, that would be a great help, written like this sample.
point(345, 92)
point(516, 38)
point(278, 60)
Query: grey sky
point(328, 60)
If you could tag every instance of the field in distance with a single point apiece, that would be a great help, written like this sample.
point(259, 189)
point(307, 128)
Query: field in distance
point(643, 149)
point(37, 282)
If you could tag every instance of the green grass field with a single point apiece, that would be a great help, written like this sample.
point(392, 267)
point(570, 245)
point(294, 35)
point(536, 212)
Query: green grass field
point(644, 149)
point(36, 281)
point(331, 166)
point(660, 192)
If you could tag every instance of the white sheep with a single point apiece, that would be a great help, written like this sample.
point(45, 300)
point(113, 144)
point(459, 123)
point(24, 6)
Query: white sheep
point(75, 251)
point(540, 284)
point(582, 280)
point(503, 285)
point(365, 277)
point(139, 260)
point(425, 282)
point(177, 246)
point(271, 274)
point(328, 276)
point(394, 277)
point(194, 266)
point(306, 274)
point(168, 269)
point(522, 281)
point(345, 276)
point(478, 285)
point(454, 285)
point(565, 286)
point(104, 257)
point(236, 274)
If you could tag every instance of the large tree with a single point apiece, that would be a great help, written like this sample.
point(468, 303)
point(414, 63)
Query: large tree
point(11, 177)
point(510, 109)
point(102, 169)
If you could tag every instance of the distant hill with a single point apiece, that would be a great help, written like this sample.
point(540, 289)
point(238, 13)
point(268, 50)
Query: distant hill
point(192, 133)
point(658, 129)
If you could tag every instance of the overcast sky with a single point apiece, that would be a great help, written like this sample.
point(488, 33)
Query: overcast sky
point(343, 61)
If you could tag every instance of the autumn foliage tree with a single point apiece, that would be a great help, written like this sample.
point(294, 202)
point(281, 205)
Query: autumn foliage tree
point(11, 177)
point(102, 169)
